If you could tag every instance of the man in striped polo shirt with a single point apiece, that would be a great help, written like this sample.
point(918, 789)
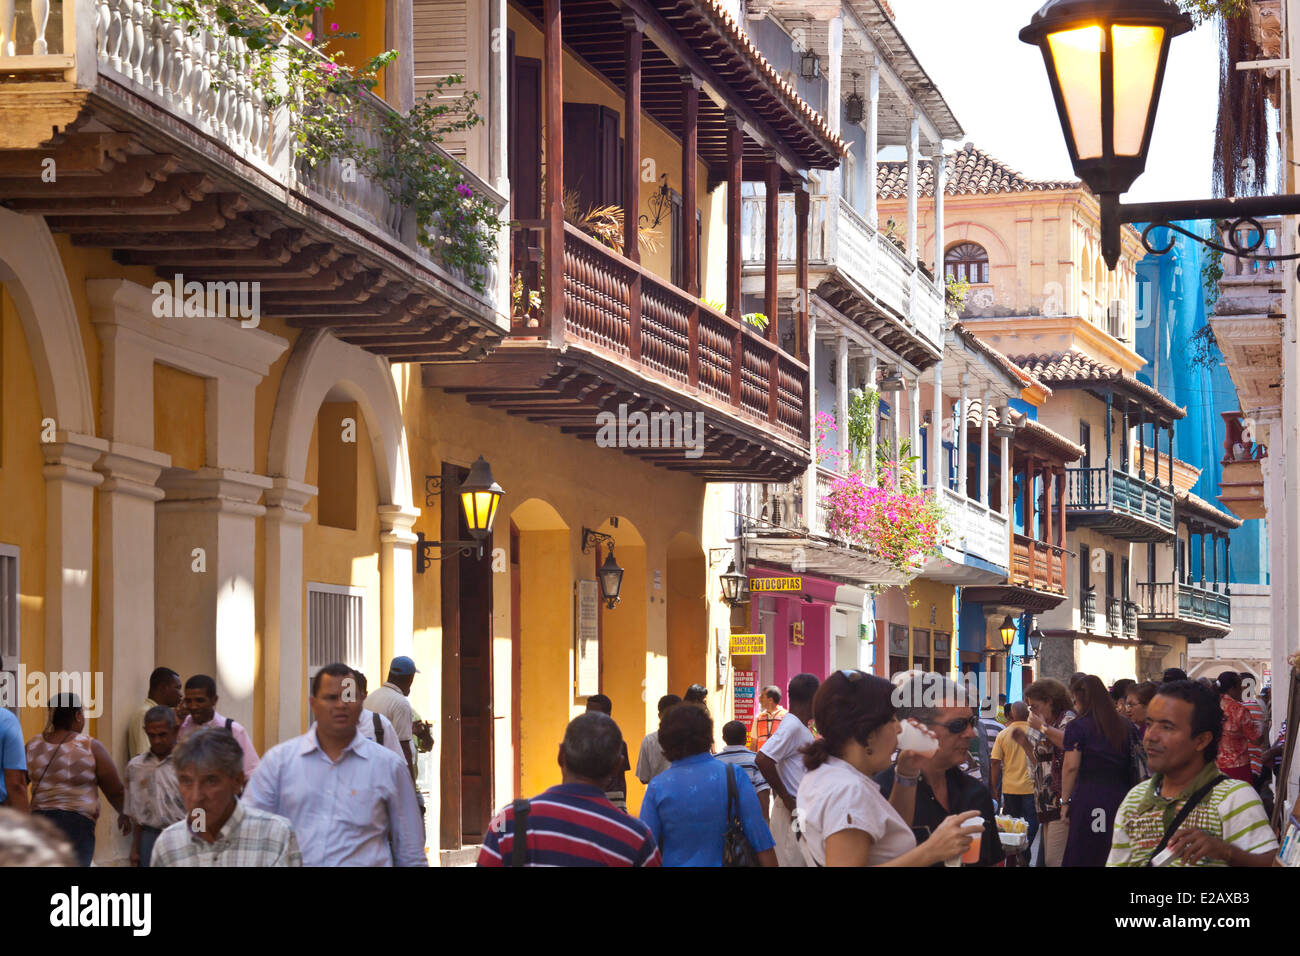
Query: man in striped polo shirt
point(1225, 827)
point(573, 824)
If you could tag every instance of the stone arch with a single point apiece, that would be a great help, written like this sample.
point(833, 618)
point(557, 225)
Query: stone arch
point(33, 274)
point(320, 365)
point(966, 231)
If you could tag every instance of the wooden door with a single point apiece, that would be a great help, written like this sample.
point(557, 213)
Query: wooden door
point(466, 679)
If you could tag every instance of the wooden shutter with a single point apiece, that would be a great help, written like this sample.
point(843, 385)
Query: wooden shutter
point(450, 37)
point(592, 155)
point(525, 136)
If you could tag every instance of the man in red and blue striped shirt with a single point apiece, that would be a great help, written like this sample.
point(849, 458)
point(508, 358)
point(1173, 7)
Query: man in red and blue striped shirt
point(573, 824)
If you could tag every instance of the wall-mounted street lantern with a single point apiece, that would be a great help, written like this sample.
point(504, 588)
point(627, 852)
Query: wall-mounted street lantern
point(810, 64)
point(609, 574)
point(854, 106)
point(735, 587)
point(1008, 632)
point(1106, 64)
point(480, 496)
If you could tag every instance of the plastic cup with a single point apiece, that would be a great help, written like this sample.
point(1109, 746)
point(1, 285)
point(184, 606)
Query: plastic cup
point(972, 854)
point(911, 737)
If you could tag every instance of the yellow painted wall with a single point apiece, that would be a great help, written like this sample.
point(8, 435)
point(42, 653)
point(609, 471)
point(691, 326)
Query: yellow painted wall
point(940, 597)
point(688, 615)
point(1109, 662)
point(336, 469)
point(22, 489)
point(365, 18)
point(179, 416)
point(347, 557)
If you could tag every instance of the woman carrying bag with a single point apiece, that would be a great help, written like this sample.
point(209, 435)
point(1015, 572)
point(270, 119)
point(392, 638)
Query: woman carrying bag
point(68, 769)
point(691, 807)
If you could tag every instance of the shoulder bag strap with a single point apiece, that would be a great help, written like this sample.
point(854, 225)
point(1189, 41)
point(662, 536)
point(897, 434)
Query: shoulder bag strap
point(36, 786)
point(379, 729)
point(1188, 807)
point(519, 846)
point(733, 811)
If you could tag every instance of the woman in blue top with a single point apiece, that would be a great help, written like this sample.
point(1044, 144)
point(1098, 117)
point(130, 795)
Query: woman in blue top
point(686, 805)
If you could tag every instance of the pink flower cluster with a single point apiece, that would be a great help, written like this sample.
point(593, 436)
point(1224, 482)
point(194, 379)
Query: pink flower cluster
point(900, 527)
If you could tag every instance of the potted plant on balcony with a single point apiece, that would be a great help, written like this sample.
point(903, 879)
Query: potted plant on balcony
point(902, 526)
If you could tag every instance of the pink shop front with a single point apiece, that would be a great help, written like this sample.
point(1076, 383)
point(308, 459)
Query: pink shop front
point(813, 630)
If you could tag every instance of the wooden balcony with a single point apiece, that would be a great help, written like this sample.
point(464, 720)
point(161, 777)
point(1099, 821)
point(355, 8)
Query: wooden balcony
point(631, 339)
point(1118, 504)
point(876, 285)
point(1195, 612)
point(172, 158)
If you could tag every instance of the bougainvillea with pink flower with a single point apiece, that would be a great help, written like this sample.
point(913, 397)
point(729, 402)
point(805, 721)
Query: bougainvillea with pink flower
point(901, 525)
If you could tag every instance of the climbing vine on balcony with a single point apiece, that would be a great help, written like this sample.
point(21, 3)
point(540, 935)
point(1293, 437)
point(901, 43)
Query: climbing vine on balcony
point(329, 119)
point(902, 526)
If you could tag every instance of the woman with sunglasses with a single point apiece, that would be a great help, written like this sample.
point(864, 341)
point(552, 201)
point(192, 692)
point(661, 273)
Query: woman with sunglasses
point(844, 818)
point(1050, 713)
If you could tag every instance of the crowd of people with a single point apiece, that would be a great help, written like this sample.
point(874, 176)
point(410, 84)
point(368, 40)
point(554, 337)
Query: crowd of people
point(195, 792)
point(853, 770)
point(857, 770)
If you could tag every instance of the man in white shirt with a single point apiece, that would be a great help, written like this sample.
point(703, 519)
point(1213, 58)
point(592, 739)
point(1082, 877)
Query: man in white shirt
point(393, 701)
point(650, 760)
point(781, 764)
point(375, 726)
point(350, 800)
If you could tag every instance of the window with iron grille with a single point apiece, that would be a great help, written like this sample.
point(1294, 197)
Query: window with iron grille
point(967, 262)
point(10, 646)
point(335, 626)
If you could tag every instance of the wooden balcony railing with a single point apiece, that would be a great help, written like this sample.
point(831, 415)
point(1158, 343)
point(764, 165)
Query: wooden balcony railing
point(1037, 564)
point(1163, 600)
point(1110, 490)
point(651, 325)
point(839, 236)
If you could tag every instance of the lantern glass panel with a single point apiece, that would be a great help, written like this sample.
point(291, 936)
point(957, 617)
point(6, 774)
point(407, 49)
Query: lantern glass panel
point(1137, 62)
point(480, 510)
point(1076, 58)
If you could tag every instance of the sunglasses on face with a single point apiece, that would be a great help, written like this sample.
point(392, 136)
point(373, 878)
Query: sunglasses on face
point(960, 724)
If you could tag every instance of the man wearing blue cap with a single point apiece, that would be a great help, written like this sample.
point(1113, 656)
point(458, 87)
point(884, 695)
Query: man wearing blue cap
point(392, 700)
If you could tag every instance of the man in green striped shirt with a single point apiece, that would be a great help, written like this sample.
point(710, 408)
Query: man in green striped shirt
point(1227, 827)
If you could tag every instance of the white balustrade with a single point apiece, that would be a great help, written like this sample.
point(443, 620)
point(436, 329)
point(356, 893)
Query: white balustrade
point(928, 307)
point(977, 531)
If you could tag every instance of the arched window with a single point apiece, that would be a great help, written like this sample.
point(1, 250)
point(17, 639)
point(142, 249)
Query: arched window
point(967, 262)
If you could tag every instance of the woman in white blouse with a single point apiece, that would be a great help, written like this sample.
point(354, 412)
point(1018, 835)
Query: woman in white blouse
point(843, 817)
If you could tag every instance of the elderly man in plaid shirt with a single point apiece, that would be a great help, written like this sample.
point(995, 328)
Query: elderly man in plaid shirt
point(219, 829)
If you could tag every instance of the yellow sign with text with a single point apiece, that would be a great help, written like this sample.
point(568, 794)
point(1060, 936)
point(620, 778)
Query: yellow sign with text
point(747, 644)
point(758, 585)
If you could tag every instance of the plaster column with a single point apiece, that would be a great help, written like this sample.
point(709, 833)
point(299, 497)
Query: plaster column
point(125, 549)
point(206, 620)
point(984, 448)
point(284, 651)
point(962, 436)
point(872, 128)
point(914, 413)
point(70, 482)
point(396, 580)
point(873, 368)
point(841, 400)
point(940, 166)
point(913, 187)
point(937, 476)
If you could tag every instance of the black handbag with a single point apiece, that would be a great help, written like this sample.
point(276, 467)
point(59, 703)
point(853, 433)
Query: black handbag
point(736, 848)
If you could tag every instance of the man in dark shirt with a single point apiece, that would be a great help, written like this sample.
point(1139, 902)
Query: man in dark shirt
point(616, 786)
point(943, 789)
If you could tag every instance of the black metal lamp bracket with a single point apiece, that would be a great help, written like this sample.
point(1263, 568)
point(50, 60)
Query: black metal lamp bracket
point(1237, 213)
point(425, 556)
point(592, 539)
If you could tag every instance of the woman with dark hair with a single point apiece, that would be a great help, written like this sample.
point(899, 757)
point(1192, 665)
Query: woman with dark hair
point(1096, 772)
point(1119, 692)
point(1050, 714)
point(1239, 729)
point(1136, 704)
point(843, 817)
point(68, 769)
point(688, 806)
